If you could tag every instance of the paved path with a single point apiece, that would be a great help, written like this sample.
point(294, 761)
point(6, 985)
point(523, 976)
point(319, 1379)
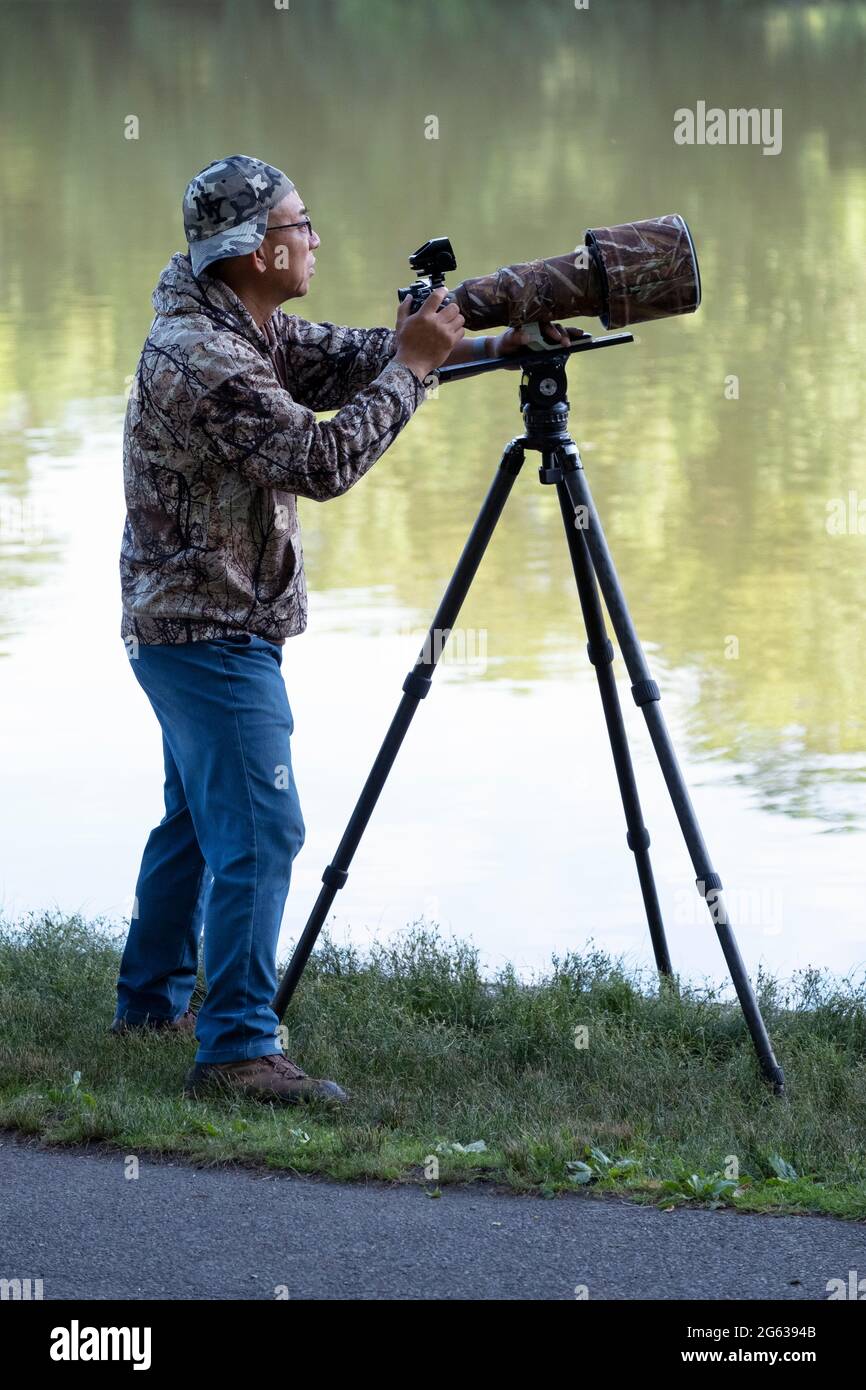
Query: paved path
point(72, 1219)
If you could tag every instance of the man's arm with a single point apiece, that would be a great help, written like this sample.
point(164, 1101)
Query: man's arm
point(470, 350)
point(511, 341)
point(247, 421)
point(326, 364)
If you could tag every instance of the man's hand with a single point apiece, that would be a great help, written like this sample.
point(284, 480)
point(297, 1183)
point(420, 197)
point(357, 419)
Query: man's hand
point(516, 339)
point(426, 338)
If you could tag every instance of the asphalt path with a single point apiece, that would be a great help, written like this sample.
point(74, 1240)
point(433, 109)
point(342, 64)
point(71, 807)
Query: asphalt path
point(73, 1219)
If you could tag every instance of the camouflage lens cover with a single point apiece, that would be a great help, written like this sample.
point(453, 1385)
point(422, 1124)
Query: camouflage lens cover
point(650, 270)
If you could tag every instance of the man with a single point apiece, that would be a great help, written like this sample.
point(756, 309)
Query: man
point(220, 439)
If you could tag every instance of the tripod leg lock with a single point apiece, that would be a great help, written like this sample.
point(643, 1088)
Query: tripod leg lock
point(603, 654)
point(417, 685)
point(709, 883)
point(512, 459)
point(335, 878)
point(643, 839)
point(645, 691)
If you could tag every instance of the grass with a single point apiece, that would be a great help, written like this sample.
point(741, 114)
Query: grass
point(664, 1104)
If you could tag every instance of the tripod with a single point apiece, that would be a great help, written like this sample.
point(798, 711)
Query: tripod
point(544, 404)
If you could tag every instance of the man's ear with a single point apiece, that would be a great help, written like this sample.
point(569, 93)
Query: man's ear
point(257, 259)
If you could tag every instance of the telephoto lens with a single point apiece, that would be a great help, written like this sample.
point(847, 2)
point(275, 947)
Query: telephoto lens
point(631, 273)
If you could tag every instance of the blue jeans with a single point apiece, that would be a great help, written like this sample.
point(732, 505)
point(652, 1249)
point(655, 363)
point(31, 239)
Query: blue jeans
point(221, 857)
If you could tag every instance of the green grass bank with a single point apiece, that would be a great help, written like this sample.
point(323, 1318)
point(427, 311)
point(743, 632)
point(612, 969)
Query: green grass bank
point(588, 1078)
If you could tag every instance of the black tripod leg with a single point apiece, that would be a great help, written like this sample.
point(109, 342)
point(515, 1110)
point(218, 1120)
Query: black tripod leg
point(600, 651)
point(415, 687)
point(646, 695)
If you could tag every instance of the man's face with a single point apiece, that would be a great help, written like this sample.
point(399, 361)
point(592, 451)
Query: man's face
point(288, 251)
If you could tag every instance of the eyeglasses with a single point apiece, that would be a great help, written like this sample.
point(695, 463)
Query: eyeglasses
point(282, 225)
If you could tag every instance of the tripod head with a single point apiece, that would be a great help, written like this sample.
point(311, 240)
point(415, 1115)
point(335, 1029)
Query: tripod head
point(544, 383)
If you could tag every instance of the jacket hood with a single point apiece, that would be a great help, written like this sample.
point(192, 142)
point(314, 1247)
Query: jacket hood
point(179, 291)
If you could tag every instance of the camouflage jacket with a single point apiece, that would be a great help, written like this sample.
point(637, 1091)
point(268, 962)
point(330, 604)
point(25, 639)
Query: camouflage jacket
point(221, 438)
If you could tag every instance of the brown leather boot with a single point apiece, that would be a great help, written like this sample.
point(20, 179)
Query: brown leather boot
point(271, 1078)
point(185, 1023)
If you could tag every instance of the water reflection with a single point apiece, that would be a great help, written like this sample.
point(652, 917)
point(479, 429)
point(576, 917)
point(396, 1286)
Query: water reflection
point(715, 446)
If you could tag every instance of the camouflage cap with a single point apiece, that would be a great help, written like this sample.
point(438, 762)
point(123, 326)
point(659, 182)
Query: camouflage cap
point(226, 205)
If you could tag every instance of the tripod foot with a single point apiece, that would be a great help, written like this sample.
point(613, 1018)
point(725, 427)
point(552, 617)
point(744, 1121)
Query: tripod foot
point(776, 1078)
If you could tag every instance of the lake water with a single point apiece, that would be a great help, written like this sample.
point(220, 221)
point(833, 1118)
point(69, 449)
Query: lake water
point(736, 510)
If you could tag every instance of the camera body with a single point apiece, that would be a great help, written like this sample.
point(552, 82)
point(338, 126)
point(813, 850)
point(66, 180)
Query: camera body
point(432, 259)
